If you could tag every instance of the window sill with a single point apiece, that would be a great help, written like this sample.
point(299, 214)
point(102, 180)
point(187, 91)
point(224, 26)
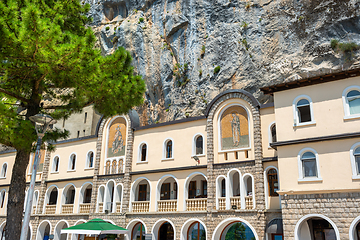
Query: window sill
point(87, 169)
point(167, 159)
point(235, 150)
point(71, 170)
point(2, 177)
point(55, 172)
point(356, 177)
point(301, 180)
point(352, 117)
point(143, 162)
point(199, 155)
point(305, 124)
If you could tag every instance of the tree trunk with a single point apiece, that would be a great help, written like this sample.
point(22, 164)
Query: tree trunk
point(16, 196)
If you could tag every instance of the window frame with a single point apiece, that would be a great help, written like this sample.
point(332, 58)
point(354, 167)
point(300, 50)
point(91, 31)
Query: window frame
point(195, 137)
point(2, 174)
point(297, 122)
point(87, 164)
point(355, 175)
point(347, 114)
point(140, 152)
point(70, 162)
point(270, 133)
point(53, 164)
point(164, 149)
point(302, 178)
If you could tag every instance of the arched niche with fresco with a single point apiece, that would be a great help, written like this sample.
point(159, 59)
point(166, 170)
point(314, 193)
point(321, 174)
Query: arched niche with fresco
point(234, 128)
point(116, 141)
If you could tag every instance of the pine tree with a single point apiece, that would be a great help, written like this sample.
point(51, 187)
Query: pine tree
point(48, 64)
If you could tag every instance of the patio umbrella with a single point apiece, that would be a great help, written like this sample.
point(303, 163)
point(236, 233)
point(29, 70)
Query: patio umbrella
point(95, 226)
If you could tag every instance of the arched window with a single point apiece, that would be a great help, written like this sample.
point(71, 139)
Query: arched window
point(169, 149)
point(273, 182)
point(2, 198)
point(273, 133)
point(53, 196)
point(121, 166)
point(196, 232)
point(199, 145)
point(138, 232)
point(143, 152)
point(303, 112)
point(90, 160)
point(55, 166)
point(107, 167)
point(72, 162)
point(308, 164)
point(3, 170)
point(351, 100)
point(357, 160)
point(114, 167)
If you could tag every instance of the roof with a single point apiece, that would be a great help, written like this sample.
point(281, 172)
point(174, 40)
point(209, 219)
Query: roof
point(328, 77)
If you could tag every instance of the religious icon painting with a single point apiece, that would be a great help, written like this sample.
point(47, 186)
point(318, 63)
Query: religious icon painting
point(117, 138)
point(234, 128)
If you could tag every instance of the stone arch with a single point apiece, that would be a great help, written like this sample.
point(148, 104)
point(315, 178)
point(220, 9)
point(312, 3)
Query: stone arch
point(133, 188)
point(187, 224)
point(109, 196)
point(131, 226)
point(352, 229)
point(48, 194)
point(186, 185)
point(68, 197)
point(222, 225)
point(249, 190)
point(159, 185)
point(219, 191)
point(234, 188)
point(44, 229)
point(266, 186)
point(100, 199)
point(300, 224)
point(82, 197)
point(157, 225)
point(76, 236)
point(57, 230)
point(118, 198)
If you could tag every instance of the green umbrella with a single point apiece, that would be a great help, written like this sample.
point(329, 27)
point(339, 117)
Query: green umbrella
point(95, 226)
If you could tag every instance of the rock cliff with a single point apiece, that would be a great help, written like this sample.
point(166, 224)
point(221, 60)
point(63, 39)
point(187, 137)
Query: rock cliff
point(190, 50)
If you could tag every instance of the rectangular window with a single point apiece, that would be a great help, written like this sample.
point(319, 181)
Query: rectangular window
point(357, 161)
point(87, 195)
point(309, 168)
point(165, 191)
point(204, 189)
point(142, 192)
point(192, 189)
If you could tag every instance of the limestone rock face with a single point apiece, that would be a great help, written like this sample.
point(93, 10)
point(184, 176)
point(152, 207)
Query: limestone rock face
point(177, 44)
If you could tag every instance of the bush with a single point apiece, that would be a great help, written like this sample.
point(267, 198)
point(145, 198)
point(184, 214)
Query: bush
point(344, 47)
point(334, 43)
point(107, 28)
point(141, 19)
point(200, 72)
point(217, 69)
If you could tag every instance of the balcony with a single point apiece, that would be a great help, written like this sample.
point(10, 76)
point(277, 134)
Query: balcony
point(67, 209)
point(50, 209)
point(249, 202)
point(235, 201)
point(140, 206)
point(222, 203)
point(196, 204)
point(167, 205)
point(84, 207)
point(118, 207)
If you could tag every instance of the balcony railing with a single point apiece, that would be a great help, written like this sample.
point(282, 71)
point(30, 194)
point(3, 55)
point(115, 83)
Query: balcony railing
point(222, 203)
point(101, 205)
point(85, 207)
point(34, 210)
point(167, 205)
point(50, 209)
point(67, 209)
point(196, 204)
point(249, 202)
point(140, 206)
point(235, 201)
point(118, 207)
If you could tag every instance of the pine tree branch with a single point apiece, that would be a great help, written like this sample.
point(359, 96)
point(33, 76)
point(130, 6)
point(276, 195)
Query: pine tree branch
point(14, 95)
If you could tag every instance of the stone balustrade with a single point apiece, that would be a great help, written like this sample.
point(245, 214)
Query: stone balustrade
point(196, 204)
point(101, 206)
point(67, 209)
point(118, 207)
point(167, 205)
point(34, 210)
point(235, 201)
point(249, 202)
point(140, 206)
point(85, 207)
point(222, 203)
point(50, 209)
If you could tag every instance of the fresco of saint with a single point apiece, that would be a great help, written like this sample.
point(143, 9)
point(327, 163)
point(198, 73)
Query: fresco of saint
point(234, 128)
point(117, 138)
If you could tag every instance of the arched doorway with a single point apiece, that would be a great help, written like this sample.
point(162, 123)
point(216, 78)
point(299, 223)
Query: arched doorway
point(237, 231)
point(166, 232)
point(317, 227)
point(196, 232)
point(43, 231)
point(57, 234)
point(138, 232)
